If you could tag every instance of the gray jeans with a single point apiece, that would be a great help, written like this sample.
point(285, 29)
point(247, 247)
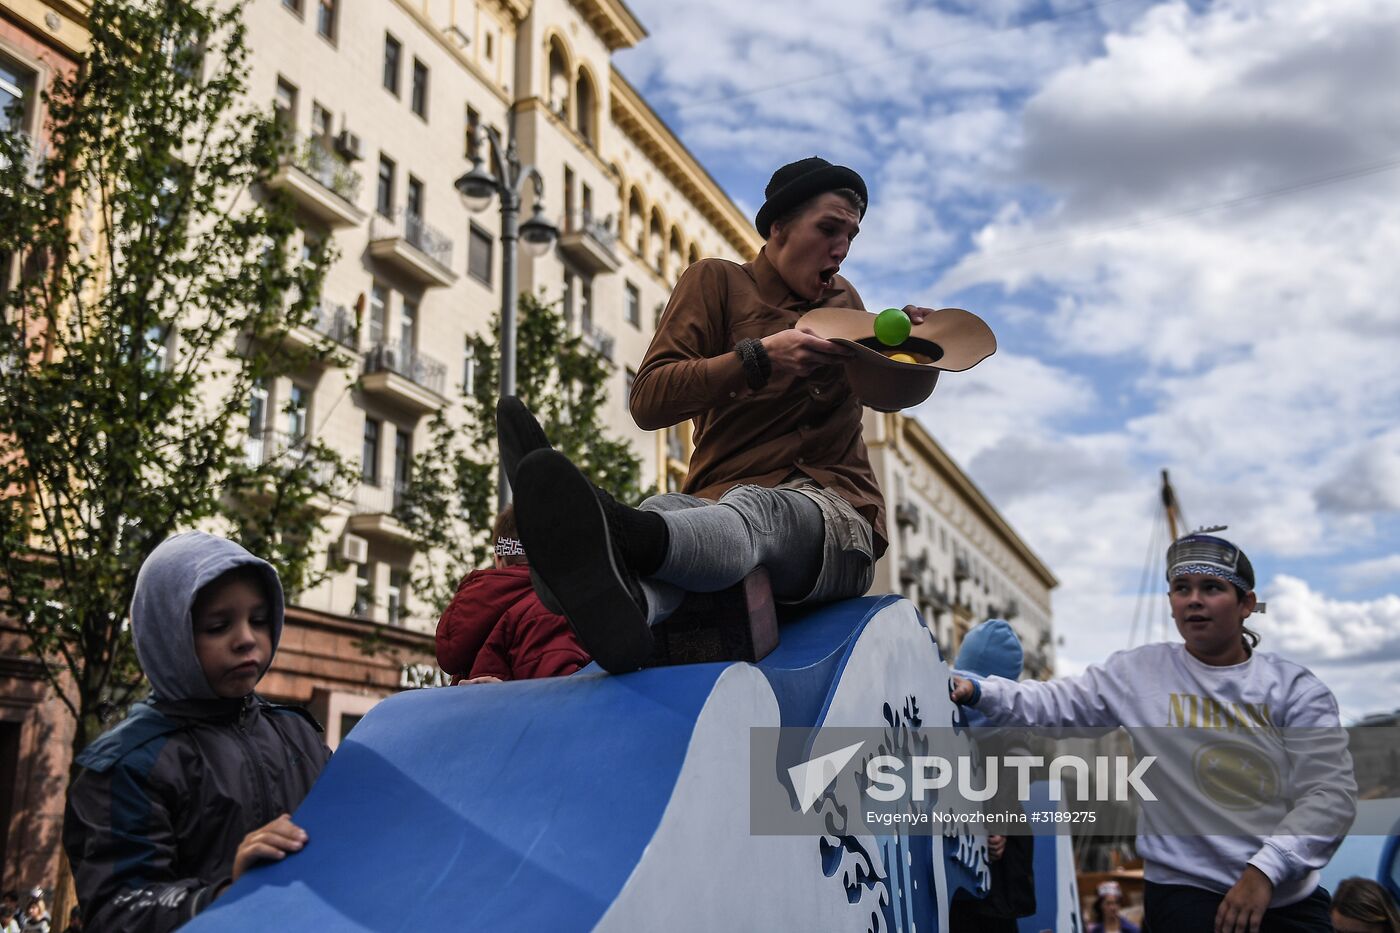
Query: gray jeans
point(815, 546)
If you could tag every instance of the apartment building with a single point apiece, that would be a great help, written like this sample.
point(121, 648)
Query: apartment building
point(951, 551)
point(39, 40)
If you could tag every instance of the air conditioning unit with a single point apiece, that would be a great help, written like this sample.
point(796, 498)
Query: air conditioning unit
point(354, 549)
point(906, 514)
point(348, 145)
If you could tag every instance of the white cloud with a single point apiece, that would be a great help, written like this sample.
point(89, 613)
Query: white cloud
point(1378, 570)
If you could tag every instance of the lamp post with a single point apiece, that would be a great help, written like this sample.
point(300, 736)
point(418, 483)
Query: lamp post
point(504, 179)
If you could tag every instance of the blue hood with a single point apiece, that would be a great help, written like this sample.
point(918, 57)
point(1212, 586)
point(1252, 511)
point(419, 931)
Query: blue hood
point(991, 649)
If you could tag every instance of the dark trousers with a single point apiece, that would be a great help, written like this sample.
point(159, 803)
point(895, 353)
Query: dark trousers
point(1181, 908)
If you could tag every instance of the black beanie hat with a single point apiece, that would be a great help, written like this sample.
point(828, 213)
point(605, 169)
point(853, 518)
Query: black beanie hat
point(797, 182)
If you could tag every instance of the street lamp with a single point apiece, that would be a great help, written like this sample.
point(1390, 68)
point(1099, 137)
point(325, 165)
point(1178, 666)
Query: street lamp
point(477, 187)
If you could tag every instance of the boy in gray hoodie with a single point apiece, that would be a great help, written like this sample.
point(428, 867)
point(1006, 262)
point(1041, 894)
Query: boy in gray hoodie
point(196, 784)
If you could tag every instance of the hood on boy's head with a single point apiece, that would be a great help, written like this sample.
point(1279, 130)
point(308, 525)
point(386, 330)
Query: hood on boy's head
point(991, 649)
point(161, 623)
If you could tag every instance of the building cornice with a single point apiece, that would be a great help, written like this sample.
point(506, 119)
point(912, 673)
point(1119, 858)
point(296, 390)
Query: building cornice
point(64, 23)
point(634, 117)
point(914, 433)
point(612, 21)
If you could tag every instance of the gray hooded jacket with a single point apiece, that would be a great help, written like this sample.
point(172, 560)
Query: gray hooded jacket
point(164, 799)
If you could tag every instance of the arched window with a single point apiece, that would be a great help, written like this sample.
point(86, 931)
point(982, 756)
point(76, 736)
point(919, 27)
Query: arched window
point(558, 78)
point(585, 103)
point(657, 243)
point(676, 261)
point(636, 225)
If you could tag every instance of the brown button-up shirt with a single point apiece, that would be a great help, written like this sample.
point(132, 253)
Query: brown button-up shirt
point(809, 425)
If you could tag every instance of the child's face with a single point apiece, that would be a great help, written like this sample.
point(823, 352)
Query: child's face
point(1208, 613)
point(233, 635)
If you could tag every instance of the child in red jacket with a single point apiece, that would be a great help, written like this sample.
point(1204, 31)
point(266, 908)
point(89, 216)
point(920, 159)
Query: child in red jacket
point(496, 628)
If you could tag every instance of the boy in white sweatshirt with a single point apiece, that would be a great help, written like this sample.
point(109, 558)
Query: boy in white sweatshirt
point(1216, 679)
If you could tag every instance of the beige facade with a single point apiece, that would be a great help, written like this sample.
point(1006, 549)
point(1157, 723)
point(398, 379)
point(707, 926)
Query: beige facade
point(384, 95)
point(951, 552)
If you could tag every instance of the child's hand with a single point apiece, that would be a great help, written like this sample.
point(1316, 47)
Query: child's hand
point(996, 847)
point(1242, 910)
point(962, 691)
point(272, 841)
point(483, 679)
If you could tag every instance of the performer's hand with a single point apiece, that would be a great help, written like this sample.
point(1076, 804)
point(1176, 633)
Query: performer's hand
point(1242, 910)
point(996, 847)
point(917, 314)
point(962, 691)
point(272, 841)
point(798, 352)
point(483, 679)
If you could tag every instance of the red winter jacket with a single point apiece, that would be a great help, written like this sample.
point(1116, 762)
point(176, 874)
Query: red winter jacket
point(497, 625)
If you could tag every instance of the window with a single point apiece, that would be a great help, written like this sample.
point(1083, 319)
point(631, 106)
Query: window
point(473, 124)
point(490, 46)
point(378, 313)
point(394, 595)
point(364, 593)
point(585, 304)
point(326, 19)
point(415, 197)
point(587, 202)
point(393, 51)
point(634, 306)
point(257, 409)
point(384, 198)
point(16, 92)
point(408, 324)
point(418, 97)
point(568, 199)
point(284, 107)
point(322, 123)
point(403, 463)
point(293, 5)
point(298, 401)
point(628, 378)
point(157, 351)
point(479, 255)
point(657, 313)
point(469, 367)
point(369, 452)
point(570, 283)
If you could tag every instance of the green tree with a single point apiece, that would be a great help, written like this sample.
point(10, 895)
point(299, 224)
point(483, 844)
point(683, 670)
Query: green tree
point(151, 293)
point(451, 501)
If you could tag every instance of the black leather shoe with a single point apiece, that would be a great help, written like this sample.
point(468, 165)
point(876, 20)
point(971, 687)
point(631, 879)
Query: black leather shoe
point(518, 433)
point(575, 549)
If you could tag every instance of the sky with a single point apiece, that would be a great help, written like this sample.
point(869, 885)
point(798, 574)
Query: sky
point(1180, 220)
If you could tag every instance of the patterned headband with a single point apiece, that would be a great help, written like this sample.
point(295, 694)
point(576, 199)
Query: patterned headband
point(1204, 554)
point(509, 547)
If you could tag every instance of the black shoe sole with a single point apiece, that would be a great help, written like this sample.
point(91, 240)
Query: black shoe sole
point(518, 434)
point(567, 538)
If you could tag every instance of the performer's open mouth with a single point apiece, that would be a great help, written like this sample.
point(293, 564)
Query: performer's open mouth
point(828, 275)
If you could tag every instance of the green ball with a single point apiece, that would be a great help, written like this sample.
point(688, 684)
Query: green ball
point(892, 327)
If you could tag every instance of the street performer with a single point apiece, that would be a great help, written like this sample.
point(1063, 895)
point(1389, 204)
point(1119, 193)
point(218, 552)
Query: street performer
point(780, 476)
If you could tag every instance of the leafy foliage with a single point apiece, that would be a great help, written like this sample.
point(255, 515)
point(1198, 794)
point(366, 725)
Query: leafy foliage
point(450, 505)
point(150, 294)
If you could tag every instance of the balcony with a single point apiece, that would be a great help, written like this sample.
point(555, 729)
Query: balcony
point(906, 515)
point(373, 514)
point(412, 248)
point(329, 325)
point(280, 449)
point(405, 377)
point(591, 245)
point(598, 340)
point(321, 182)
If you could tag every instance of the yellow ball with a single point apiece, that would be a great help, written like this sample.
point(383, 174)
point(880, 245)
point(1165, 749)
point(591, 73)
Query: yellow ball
point(902, 358)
